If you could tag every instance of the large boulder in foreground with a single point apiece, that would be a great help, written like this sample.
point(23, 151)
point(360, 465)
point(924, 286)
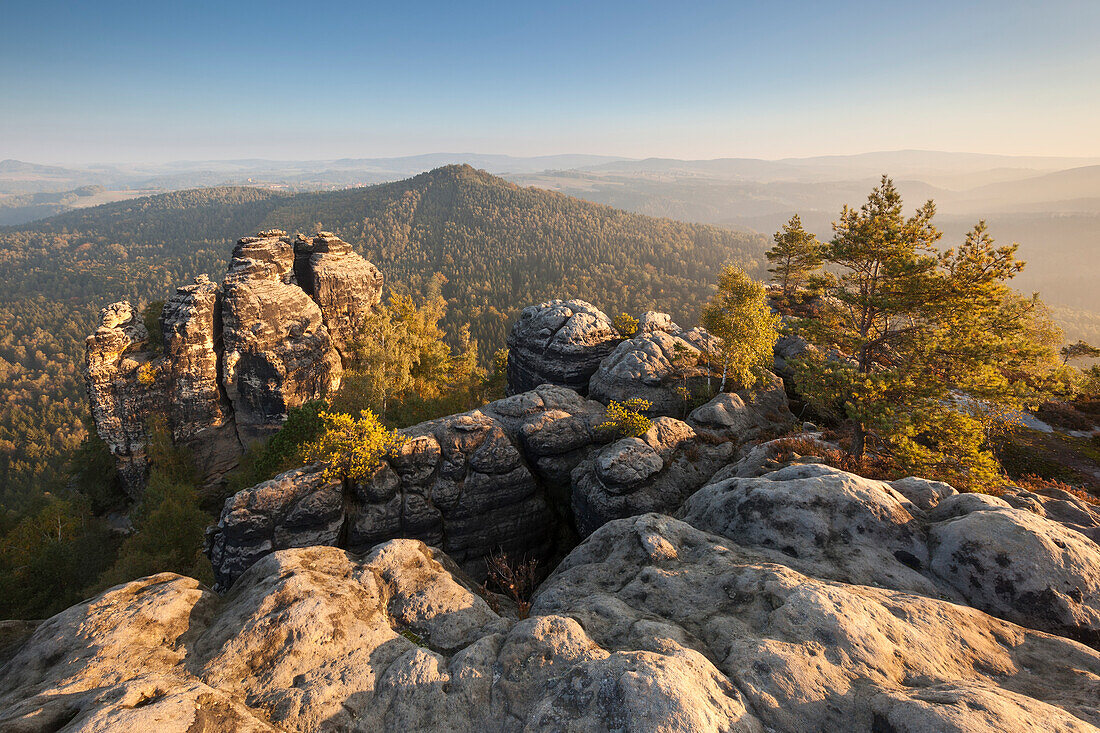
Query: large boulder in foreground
point(812, 655)
point(1023, 567)
point(314, 639)
point(650, 625)
point(827, 523)
point(559, 342)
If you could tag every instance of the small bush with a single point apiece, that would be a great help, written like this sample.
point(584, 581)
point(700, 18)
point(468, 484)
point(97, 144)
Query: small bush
point(1034, 483)
point(147, 374)
point(626, 325)
point(351, 446)
point(516, 580)
point(625, 419)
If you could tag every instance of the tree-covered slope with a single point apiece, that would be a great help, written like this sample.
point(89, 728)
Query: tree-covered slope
point(500, 247)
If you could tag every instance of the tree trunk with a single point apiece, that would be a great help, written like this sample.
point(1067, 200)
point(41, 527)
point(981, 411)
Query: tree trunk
point(859, 442)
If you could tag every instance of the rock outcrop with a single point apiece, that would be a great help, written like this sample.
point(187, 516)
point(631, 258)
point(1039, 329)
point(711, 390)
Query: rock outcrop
point(200, 416)
point(481, 483)
point(344, 285)
point(235, 358)
point(278, 353)
point(651, 473)
point(559, 342)
point(808, 654)
point(651, 624)
point(747, 415)
point(125, 389)
point(664, 368)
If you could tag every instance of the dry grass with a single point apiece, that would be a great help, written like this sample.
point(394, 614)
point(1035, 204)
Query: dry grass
point(1034, 483)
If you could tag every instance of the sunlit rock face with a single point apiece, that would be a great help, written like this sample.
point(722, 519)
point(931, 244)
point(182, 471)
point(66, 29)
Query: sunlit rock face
point(125, 387)
point(344, 285)
point(278, 353)
point(235, 357)
point(200, 416)
point(650, 624)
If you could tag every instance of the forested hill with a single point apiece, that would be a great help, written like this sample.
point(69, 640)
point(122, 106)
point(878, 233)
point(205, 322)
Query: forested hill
point(500, 247)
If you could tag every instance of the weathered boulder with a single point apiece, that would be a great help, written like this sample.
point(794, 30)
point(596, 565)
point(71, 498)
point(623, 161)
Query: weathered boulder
point(461, 484)
point(925, 494)
point(664, 368)
point(126, 386)
point(315, 639)
point(344, 285)
point(814, 655)
point(299, 508)
point(199, 414)
point(559, 342)
point(787, 348)
point(746, 415)
point(278, 353)
point(831, 524)
point(654, 321)
point(1057, 505)
point(650, 624)
point(654, 472)
point(555, 429)
point(1022, 567)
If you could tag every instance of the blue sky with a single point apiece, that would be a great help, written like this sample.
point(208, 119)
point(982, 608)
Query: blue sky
point(151, 81)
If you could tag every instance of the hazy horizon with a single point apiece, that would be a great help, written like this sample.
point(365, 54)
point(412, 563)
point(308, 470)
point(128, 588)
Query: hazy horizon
point(127, 83)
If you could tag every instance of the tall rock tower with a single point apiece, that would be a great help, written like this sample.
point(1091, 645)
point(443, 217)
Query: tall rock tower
point(236, 358)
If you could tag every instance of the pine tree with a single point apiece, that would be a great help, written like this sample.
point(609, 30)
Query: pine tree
point(934, 348)
point(796, 256)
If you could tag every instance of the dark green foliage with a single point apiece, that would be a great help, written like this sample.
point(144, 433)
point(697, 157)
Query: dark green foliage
point(168, 523)
point(50, 557)
point(151, 318)
point(280, 452)
point(95, 475)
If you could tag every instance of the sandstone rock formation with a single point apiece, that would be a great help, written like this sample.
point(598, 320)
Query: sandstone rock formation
point(658, 366)
point(235, 358)
point(746, 415)
point(125, 388)
point(807, 654)
point(655, 472)
point(200, 416)
point(278, 353)
point(559, 342)
point(1012, 563)
point(650, 624)
point(343, 284)
point(480, 483)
